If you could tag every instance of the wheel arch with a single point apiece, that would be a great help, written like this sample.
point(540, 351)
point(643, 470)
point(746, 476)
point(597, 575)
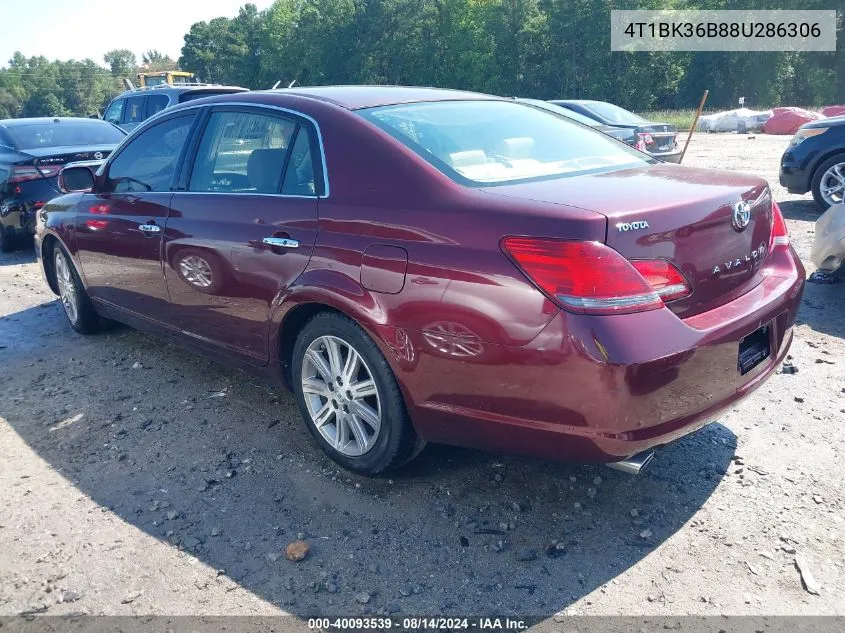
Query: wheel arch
point(818, 162)
point(290, 327)
point(323, 292)
point(48, 247)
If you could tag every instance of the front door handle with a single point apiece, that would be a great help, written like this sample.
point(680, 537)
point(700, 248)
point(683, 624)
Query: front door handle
point(280, 242)
point(149, 228)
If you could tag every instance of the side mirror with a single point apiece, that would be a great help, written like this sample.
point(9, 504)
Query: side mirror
point(76, 178)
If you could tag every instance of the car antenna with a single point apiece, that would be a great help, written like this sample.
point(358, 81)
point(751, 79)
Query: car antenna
point(290, 85)
point(276, 85)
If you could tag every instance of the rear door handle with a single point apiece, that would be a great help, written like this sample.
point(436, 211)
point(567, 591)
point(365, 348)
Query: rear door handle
point(280, 242)
point(149, 228)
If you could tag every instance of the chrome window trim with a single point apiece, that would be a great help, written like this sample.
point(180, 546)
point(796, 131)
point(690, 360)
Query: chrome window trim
point(247, 104)
point(247, 193)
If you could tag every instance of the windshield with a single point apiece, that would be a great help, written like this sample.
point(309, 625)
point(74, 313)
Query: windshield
point(64, 134)
point(613, 113)
point(484, 142)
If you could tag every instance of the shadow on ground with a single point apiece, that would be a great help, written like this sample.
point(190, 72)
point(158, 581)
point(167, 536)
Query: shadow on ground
point(234, 478)
point(26, 256)
point(806, 210)
point(823, 305)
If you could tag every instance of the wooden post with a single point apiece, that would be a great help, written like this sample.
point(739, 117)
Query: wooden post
point(694, 123)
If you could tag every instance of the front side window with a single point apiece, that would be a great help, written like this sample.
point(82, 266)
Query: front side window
point(148, 162)
point(114, 114)
point(242, 152)
point(495, 142)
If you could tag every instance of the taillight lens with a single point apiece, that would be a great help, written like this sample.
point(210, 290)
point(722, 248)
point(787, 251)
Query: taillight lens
point(780, 236)
point(23, 173)
point(589, 277)
point(666, 280)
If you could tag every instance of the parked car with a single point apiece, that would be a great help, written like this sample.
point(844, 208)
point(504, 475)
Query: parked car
point(32, 151)
point(657, 139)
point(815, 161)
point(424, 265)
point(828, 252)
point(623, 134)
point(133, 107)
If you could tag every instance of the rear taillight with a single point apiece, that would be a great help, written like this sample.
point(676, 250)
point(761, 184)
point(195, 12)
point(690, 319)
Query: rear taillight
point(666, 280)
point(780, 236)
point(589, 277)
point(23, 173)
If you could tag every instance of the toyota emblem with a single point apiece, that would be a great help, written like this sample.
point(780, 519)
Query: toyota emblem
point(741, 215)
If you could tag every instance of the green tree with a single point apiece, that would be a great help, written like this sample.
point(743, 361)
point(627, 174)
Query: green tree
point(121, 62)
point(155, 61)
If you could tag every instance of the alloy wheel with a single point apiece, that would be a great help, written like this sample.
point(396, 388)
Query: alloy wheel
point(196, 271)
point(67, 287)
point(341, 395)
point(832, 185)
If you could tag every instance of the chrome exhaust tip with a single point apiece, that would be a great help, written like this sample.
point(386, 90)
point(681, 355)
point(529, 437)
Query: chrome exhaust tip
point(633, 464)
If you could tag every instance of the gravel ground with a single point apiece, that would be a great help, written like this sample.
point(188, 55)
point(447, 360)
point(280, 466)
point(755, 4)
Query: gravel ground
point(139, 479)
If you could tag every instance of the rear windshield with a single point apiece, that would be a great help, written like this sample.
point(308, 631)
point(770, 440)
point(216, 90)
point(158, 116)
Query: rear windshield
point(64, 133)
point(489, 142)
point(614, 114)
point(551, 107)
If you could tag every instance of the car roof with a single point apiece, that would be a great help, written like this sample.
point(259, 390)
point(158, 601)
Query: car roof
point(12, 123)
point(178, 90)
point(577, 101)
point(358, 97)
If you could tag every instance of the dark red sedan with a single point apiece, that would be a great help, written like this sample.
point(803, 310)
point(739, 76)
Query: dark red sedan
point(425, 265)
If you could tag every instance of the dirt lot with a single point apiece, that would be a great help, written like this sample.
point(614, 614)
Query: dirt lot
point(138, 479)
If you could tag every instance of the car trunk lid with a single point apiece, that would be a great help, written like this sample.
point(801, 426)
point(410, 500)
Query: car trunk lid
point(46, 163)
point(71, 154)
point(657, 137)
point(683, 215)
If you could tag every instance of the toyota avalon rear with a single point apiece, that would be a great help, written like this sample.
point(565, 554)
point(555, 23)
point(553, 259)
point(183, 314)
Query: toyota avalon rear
point(425, 265)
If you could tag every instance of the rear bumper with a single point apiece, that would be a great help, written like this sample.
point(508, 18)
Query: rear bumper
point(604, 388)
point(668, 157)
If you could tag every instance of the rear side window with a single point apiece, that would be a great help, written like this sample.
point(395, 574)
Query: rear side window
point(114, 114)
point(299, 176)
point(148, 162)
point(242, 152)
point(156, 103)
point(134, 110)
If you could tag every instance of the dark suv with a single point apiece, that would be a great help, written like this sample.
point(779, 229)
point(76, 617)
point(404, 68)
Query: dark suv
point(131, 108)
point(815, 161)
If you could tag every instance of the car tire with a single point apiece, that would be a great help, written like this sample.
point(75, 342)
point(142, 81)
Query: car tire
point(73, 298)
point(342, 423)
point(821, 170)
point(7, 240)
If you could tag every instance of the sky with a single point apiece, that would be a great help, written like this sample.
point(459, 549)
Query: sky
point(76, 29)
